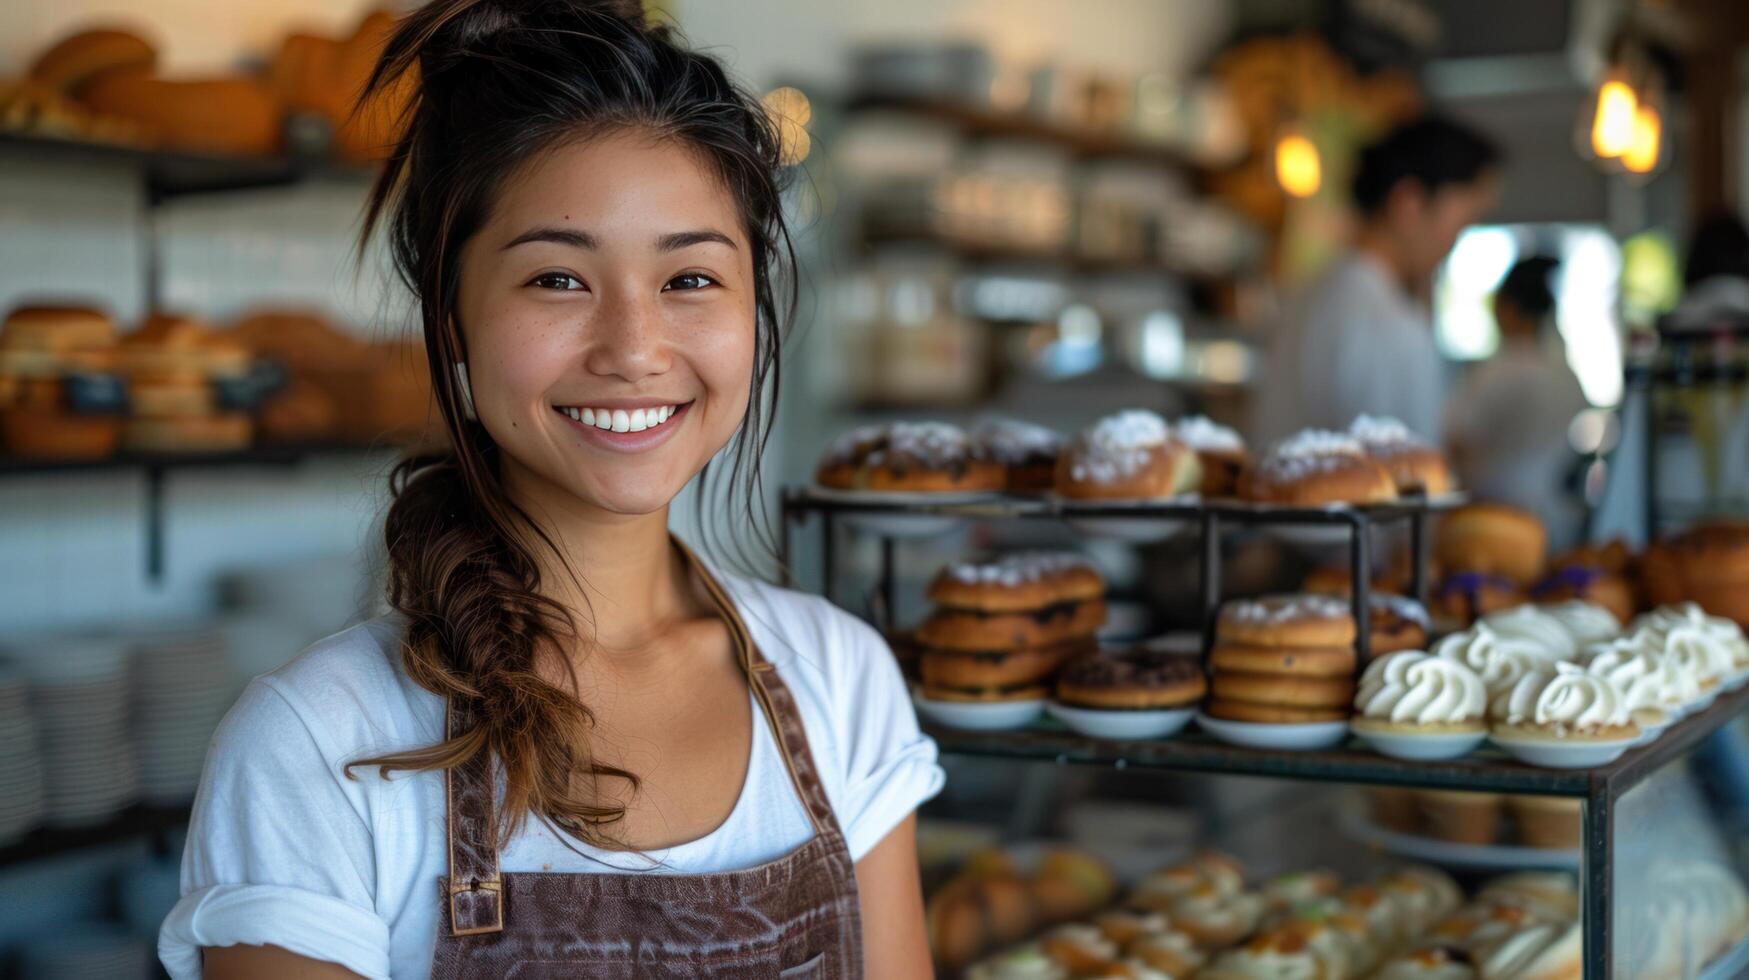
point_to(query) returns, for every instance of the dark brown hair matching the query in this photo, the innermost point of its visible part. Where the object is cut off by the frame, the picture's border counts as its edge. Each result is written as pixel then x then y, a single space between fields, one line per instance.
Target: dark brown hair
pixel 499 82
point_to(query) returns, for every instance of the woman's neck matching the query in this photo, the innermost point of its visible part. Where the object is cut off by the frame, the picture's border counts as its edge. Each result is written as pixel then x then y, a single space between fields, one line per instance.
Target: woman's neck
pixel 631 586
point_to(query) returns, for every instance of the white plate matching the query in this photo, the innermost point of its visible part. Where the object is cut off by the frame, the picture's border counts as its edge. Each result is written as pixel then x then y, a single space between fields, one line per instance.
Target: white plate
pixel 1703 702
pixel 1284 737
pixel 903 525
pixel 1355 823
pixel 981 716
pixel 1650 733
pixel 1121 724
pixel 1737 681
pixel 1422 746
pixel 1140 529
pixel 1551 754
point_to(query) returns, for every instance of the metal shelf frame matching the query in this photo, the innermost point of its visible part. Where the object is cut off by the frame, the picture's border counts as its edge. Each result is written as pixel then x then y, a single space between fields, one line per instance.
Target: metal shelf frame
pixel 1598 789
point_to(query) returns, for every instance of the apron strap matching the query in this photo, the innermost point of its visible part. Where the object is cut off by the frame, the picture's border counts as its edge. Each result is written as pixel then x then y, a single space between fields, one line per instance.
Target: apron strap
pixel 776 701
pixel 473 888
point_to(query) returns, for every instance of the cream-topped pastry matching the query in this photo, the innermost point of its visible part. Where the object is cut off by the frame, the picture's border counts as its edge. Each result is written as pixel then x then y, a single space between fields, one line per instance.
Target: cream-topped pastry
pixel 1429 963
pixel 1215 919
pixel 1384 918
pixel 1418 692
pixel 1279 954
pixel 1654 686
pixel 1704 650
pixel 1123 926
pixel 1545 950
pixel 1169 951
pixel 1586 622
pixel 1296 888
pixel 1499 660
pixel 1080 947
pixel 1027 962
pixel 1545 635
pixel 1563 702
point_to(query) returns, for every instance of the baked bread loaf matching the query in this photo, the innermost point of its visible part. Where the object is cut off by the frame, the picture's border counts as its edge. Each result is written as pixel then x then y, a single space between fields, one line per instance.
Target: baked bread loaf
pixel 217 115
pixel 1133 680
pixel 1131 455
pixel 323 76
pixel 1219 450
pixel 42 348
pixel 1707 564
pixel 1492 539
pixel 1017 582
pixel 1027 452
pixel 909 457
pixel 76 59
pixel 1416 466
pixel 1316 468
pixel 968 629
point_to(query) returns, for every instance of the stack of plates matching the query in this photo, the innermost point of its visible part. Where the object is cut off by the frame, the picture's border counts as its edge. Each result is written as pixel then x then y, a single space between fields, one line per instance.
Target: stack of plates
pixel 80 692
pixel 92 951
pixel 183 683
pixel 21 769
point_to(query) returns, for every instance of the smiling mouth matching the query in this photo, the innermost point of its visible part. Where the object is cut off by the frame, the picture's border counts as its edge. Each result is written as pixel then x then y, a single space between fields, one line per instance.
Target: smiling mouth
pixel 621 419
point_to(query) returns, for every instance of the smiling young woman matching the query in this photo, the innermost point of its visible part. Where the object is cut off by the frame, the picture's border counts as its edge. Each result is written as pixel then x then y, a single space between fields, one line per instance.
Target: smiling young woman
pixel 574 748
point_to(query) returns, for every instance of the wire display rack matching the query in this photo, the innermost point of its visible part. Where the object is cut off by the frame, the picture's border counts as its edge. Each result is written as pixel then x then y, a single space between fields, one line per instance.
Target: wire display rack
pixel 1599 789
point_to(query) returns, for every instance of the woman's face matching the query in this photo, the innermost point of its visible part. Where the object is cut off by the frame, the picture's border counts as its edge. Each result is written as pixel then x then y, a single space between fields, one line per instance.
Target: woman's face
pixel 612 281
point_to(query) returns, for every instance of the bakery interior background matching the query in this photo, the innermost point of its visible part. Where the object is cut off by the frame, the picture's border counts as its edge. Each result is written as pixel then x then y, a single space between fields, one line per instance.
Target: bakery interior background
pixel 1101 205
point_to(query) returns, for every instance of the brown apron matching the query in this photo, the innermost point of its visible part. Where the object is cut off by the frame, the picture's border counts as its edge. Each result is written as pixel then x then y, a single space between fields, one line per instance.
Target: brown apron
pixel 793 917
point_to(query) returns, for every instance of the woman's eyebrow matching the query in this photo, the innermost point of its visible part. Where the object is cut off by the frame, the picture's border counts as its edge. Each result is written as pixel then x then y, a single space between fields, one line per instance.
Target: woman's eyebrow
pixel 681 239
pixel 558 236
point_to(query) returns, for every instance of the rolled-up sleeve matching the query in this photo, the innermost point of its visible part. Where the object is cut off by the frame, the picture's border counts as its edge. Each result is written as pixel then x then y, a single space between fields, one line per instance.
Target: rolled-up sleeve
pixel 280 850
pixel 892 765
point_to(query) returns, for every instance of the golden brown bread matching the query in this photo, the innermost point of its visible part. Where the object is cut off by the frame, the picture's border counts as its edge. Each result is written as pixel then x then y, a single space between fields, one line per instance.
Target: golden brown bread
pixel 217 115
pixel 74 60
pixel 1492 539
pixel 1287 621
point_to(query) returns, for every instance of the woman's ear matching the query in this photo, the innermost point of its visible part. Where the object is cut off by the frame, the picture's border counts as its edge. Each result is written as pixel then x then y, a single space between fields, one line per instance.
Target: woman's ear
pixel 466 389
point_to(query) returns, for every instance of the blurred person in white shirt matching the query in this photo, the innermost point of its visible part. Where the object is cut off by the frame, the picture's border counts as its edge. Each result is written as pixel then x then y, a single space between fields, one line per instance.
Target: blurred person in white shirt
pixel 1360 340
pixel 1507 422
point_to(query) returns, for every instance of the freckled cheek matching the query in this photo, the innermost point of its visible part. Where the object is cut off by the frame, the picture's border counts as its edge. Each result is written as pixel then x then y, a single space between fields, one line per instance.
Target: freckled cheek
pixel 521 361
pixel 722 354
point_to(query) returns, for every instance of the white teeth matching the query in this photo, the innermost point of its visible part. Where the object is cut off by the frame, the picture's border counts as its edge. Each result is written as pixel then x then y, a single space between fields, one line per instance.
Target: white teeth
pixel 604 419
pixel 586 416
pixel 666 411
pixel 622 420
pixel 636 423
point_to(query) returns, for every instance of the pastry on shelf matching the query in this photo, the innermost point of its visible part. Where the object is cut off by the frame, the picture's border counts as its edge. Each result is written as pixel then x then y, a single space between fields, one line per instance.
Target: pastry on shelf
pixel 1417 705
pixel 1026 451
pixel 1459 817
pixel 1140 680
pixel 1593 585
pixel 1316 468
pixel 1587 623
pixel 1131 455
pixel 910 457
pixel 1536 628
pixel 1562 704
pixel 1550 822
pixel 1657 688
pixel 59 396
pixel 172 365
pixel 1464 597
pixel 1707 564
pixel 1283 659
pixel 1219 449
pixel 1492 539
pixel 1416 465
pixel 228 115
pixel 1497 659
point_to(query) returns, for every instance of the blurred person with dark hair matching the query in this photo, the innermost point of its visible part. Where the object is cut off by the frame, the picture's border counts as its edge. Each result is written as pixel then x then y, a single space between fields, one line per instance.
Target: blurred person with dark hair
pixel 1715 273
pixel 1361 341
pixel 1507 422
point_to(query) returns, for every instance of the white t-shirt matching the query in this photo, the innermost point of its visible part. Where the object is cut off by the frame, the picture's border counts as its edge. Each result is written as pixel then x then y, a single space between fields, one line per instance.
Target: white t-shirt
pixel 285 849
pixel 1355 344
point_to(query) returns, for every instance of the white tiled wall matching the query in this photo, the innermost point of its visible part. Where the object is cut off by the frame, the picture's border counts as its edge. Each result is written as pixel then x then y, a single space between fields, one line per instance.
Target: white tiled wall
pixel 72 547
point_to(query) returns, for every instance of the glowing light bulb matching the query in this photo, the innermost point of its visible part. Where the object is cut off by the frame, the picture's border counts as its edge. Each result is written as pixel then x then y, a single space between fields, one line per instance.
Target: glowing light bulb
pixel 1642 152
pixel 1297 165
pixel 1612 128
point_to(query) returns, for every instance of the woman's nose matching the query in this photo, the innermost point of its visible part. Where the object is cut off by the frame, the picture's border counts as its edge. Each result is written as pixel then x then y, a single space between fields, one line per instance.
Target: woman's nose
pixel 627 339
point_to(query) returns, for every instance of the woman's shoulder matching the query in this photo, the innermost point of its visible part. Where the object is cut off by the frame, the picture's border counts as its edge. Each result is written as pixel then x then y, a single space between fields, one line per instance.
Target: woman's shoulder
pixel 348 690
pixel 796 629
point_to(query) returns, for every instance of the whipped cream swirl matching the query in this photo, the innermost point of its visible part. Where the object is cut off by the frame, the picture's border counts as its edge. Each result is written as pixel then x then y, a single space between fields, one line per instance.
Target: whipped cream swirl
pixel 1421 689
pixel 1585 622
pixel 1499 660
pixel 1564 698
pixel 1645 677
pixel 1543 633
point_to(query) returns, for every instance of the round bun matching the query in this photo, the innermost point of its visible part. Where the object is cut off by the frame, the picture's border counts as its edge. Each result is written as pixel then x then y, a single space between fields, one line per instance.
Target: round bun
pixel 55 434
pixel 219 115
pixel 56 328
pixel 918 457
pixel 1130 455
pixel 1017 582
pixel 964 629
pixel 1283 690
pixel 1492 539
pixel 1031 692
pixel 1295 661
pixel 1707 564
pixel 992 668
pixel 1416 466
pixel 1219 450
pixel 1271 714
pixel 1135 680
pixel 1316 468
pixel 75 60
pixel 1027 452
pixel 1297 620
pixel 1596 585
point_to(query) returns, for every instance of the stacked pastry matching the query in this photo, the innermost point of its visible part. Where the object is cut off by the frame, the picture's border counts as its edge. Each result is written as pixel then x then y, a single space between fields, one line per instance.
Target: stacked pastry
pixel 1520 927
pixel 908 456
pixel 1707 565
pixel 1283 660
pixel 1132 455
pixel 47 356
pixel 991 902
pixel 1316 468
pixel 1001 628
pixel 1027 452
pixel 173 366
pixel 1416 465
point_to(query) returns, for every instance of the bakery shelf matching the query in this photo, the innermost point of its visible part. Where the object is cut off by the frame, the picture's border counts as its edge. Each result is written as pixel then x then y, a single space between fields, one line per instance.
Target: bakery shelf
pixel 172 173
pixel 1484 771
pixel 142 820
pixel 975 121
pixel 987 254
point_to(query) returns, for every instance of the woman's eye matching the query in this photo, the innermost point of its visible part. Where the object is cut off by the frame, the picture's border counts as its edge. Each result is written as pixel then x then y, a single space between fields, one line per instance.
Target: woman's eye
pixel 689 281
pixel 557 280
